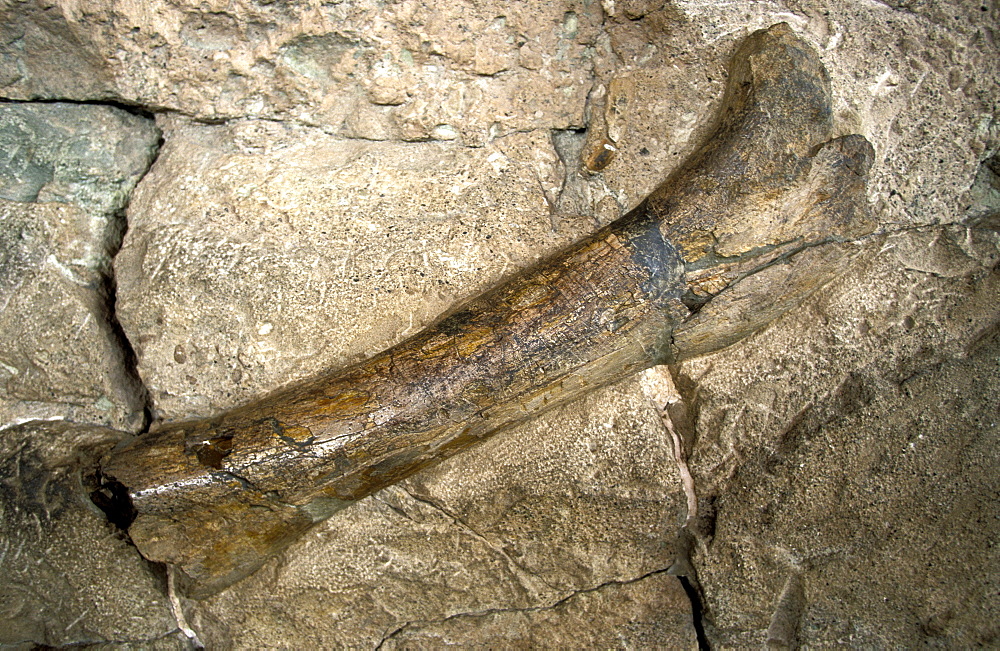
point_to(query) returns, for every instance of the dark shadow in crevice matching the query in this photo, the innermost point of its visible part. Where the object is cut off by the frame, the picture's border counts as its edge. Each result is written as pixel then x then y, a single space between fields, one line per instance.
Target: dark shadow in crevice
pixel 697 612
pixel 125 371
pixel 129 381
pixel 113 499
pixel 135 109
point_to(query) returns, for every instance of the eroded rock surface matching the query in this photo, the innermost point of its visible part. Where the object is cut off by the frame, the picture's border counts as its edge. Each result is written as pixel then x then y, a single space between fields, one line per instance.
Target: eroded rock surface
pixel 406 70
pixel 65 176
pixel 335 175
pixel 892 543
pixel 863 482
pixel 526 530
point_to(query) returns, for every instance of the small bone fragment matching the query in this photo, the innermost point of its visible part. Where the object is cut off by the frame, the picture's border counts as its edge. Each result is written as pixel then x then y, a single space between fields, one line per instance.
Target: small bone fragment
pixel 750 227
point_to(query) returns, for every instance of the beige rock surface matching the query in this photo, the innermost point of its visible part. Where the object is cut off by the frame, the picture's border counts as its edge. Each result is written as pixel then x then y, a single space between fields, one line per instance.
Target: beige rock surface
pixel 880 502
pixel 564 514
pixel 866 480
pixel 66 172
pixel 402 70
pixel 335 175
pixel 57 358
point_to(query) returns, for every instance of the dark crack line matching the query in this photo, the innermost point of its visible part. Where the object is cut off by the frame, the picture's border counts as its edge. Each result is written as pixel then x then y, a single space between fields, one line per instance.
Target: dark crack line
pixel 697 612
pixel 515 566
pixel 331 130
pixel 683 567
pixel 531 609
pixel 140 398
pixel 137 395
pixel 135 109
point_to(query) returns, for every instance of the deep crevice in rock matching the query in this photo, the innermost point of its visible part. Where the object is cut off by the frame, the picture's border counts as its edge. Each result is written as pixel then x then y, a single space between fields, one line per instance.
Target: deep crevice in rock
pixel 135 109
pixel 683 568
pixel 697 612
pixel 130 384
pixel 139 398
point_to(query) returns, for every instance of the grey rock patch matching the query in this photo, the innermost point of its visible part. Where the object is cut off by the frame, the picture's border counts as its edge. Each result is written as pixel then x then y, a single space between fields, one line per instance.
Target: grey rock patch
pixel 984 211
pixel 66 173
pixel 88 155
pixel 66 576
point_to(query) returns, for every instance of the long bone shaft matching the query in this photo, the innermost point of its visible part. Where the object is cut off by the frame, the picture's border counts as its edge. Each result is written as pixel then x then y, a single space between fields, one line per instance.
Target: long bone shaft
pixel 746 230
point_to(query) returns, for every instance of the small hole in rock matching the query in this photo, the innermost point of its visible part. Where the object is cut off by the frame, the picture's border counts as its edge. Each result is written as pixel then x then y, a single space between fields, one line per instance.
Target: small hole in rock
pixel 112 497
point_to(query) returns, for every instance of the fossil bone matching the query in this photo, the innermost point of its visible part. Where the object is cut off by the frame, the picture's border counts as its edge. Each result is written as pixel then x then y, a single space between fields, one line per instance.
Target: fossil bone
pixel 756 221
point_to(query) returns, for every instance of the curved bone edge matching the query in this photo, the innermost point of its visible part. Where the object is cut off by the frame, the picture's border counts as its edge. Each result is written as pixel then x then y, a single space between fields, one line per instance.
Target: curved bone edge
pixel 730 199
pixel 218 497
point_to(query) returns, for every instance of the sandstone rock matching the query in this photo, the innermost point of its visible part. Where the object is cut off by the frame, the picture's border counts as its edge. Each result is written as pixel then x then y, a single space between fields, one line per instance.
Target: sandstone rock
pixel 452 64
pixel 646 612
pixel 66 174
pixel 914 81
pixel 59 358
pixel 880 501
pixel 807 437
pixel 67 577
pixel 835 476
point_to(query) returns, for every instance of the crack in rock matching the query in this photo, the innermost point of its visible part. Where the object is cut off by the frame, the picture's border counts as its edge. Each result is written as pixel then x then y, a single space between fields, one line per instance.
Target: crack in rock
pixel 69 170
pixel 523 575
pixel 531 609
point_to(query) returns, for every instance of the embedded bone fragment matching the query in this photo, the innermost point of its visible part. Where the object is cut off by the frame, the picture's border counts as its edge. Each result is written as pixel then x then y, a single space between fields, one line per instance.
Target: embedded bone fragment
pixel 757 220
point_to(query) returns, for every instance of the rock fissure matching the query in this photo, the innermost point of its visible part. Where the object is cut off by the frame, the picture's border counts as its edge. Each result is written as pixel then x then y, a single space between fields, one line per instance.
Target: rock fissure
pixel 177 610
pixel 525 576
pixel 530 609
pixel 138 395
pixel 137 109
pixel 659 386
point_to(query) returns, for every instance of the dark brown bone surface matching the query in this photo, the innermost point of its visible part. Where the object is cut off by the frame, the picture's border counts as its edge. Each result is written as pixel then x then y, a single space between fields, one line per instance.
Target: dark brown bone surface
pixel 745 231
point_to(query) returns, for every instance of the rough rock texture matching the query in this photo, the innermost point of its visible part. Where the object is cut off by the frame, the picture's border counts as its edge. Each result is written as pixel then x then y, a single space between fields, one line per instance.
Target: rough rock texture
pixel 814 444
pixel 66 172
pixel 579 505
pixel 877 504
pixel 67 576
pixel 274 251
pixel 404 70
pixel 868 480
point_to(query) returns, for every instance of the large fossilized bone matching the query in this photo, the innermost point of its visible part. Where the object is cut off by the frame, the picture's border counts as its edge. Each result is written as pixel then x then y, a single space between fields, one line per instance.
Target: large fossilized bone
pixel 746 230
